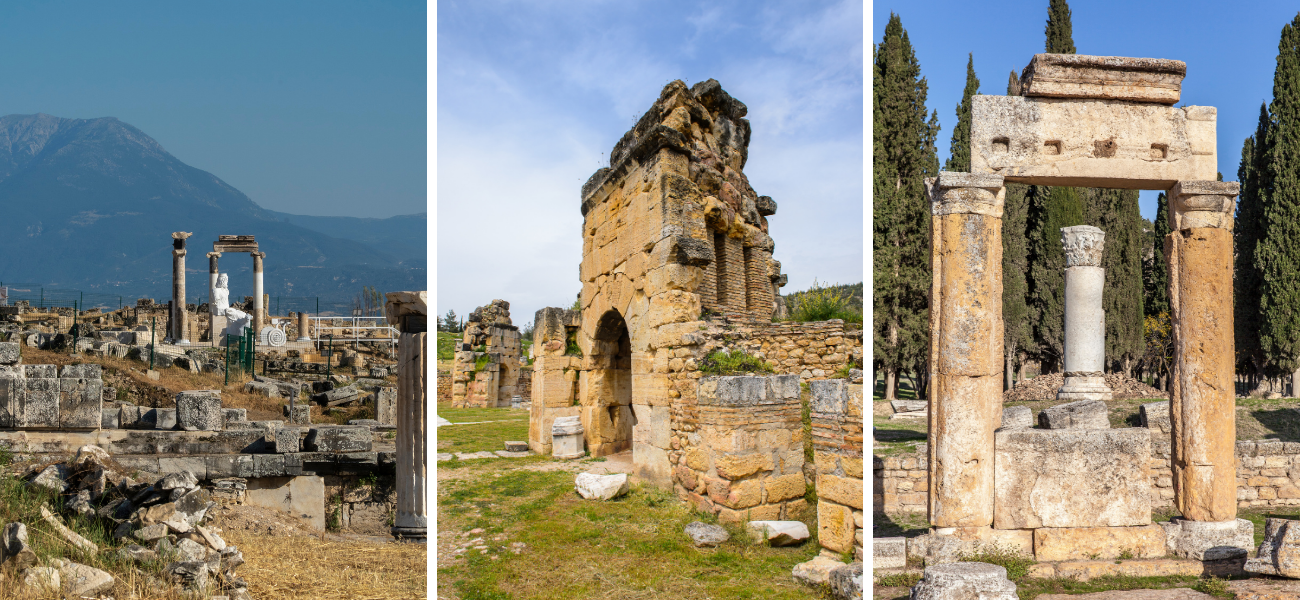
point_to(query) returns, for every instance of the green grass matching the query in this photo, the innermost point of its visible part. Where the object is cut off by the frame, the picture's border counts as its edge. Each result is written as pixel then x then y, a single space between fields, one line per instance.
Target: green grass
pixel 733 362
pixel 1028 589
pixel 631 547
pixel 507 425
pixel 447 345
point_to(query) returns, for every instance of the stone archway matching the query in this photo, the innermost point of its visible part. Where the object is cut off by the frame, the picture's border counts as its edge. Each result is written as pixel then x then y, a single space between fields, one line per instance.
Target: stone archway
pixel 609 395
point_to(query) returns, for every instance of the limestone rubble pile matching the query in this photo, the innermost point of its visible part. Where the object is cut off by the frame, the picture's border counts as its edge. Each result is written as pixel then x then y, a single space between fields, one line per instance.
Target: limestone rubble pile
pixel 164 520
pixel 1044 387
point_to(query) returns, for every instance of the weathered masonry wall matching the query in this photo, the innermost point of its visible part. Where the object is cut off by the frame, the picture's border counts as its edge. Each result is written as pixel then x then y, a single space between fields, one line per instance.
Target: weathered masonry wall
pixel 1268 474
pixel 836 412
pixel 816 350
pixel 485 370
pixel 741 455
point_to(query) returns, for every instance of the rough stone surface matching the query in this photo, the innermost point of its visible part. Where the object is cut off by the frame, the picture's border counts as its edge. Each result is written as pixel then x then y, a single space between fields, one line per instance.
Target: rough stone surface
pixel 18 554
pixel 1155 80
pixel 888 553
pixel 1017 417
pixel 341 438
pixel 9 353
pixel 1083 414
pixel 1202 404
pixel 1072 478
pixel 1155 415
pixel 601 487
pixel 1279 553
pixel 516 446
pixel 846 582
pixel 779 533
pixel 1092 143
pixel 1078 543
pixel 965 581
pixel 288 439
pixel 1209 540
pixel 199 410
pixel 704 535
pixel 42 579
pixel 78 580
pixel 816 571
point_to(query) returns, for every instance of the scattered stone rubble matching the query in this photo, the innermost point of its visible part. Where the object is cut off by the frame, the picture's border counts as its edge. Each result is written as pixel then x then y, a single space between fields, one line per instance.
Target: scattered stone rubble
pixel 1044 387
pixel 161 520
pixel 1279 553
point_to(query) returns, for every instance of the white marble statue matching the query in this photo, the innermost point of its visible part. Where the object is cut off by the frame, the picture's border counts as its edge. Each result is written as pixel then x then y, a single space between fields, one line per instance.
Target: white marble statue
pixel 236 320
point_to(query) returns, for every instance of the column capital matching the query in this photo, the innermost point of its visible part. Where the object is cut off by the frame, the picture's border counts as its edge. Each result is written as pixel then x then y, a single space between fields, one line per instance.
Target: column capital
pixel 966 193
pixel 1202 204
pixel 181 235
pixel 178 252
pixel 257 255
pixel 1083 245
pixel 214 255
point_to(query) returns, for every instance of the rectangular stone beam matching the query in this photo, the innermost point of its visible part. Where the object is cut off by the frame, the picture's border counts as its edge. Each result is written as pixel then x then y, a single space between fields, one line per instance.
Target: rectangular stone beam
pixel 1154 80
pixel 1092 143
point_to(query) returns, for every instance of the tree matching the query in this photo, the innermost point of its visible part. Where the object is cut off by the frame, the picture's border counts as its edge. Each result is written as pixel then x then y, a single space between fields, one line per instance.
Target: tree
pixel 1017 314
pixel 959 159
pixel 449 322
pixel 1060 35
pixel 1246 233
pixel 1116 212
pixel 1050 209
pixel 903 143
pixel 370 302
pixel 1277 254
pixel 1155 276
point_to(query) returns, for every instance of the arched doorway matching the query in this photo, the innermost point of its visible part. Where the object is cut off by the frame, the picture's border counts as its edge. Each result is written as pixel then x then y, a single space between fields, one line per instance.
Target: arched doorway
pixel 610 418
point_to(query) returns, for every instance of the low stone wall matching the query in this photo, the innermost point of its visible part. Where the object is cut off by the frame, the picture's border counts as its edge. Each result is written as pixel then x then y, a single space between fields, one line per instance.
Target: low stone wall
pixel 815 350
pixel 743 457
pixel 1268 474
pixel 444 386
pixel 836 414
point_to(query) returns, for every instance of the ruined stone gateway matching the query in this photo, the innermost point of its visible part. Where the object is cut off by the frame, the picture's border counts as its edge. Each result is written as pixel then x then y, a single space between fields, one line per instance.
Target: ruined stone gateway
pixel 486 365
pixel 677 263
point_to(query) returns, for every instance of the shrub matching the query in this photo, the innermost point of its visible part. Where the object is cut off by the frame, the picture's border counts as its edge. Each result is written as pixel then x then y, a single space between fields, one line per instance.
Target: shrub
pixel 822 303
pixel 733 362
pixel 1011 559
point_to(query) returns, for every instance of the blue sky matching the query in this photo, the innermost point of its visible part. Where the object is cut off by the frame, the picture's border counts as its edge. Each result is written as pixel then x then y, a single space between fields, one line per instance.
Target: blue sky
pixel 1230 50
pixel 533 95
pixel 308 107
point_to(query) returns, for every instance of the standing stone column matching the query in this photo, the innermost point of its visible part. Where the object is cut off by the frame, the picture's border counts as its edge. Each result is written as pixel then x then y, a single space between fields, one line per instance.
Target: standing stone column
pixel 407 311
pixel 259 311
pixel 1085 320
pixel 213 334
pixel 1202 407
pixel 177 317
pixel 304 322
pixel 965 346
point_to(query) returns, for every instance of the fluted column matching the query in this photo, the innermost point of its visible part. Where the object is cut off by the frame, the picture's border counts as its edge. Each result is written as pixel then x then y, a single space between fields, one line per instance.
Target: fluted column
pixel 1202 407
pixel 1085 318
pixel 407 312
pixel 965 346
pixel 178 314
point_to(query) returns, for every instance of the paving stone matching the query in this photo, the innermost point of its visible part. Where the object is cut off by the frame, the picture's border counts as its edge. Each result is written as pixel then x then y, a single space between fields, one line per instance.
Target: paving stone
pixel 504 454
pixel 445 456
pixel 888 553
pixel 473 455
pixel 965 581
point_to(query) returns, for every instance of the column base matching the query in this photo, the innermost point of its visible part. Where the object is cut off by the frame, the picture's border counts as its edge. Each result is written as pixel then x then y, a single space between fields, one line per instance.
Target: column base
pixel 1084 388
pixel 1209 540
pixel 417 535
pixel 303 339
pixel 183 343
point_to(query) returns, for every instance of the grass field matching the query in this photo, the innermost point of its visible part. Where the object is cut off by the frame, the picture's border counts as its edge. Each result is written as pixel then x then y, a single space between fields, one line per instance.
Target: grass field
pixel 504 424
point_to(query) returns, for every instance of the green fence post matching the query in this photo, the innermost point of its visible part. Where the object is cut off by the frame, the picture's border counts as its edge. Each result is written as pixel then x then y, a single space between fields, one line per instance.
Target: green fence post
pixel 329 358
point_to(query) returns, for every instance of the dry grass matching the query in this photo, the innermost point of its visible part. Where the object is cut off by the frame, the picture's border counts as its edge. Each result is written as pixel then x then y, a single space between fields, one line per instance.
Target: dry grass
pixel 306 567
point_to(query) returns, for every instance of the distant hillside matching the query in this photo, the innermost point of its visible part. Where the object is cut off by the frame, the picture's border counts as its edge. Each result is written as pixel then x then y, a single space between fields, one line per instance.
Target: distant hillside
pixel 404 236
pixel 91 204
pixel 853 293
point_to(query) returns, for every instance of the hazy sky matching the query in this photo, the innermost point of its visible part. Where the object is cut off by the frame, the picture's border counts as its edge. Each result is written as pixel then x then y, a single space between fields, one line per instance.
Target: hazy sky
pixel 532 97
pixel 1230 50
pixel 308 107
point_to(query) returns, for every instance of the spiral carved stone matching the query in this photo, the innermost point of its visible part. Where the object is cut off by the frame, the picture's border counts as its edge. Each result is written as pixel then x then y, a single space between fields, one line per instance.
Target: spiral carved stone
pixel 1083 245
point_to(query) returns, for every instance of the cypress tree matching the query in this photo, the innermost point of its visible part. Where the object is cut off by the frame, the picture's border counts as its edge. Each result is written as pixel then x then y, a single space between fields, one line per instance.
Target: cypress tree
pixel 959 159
pixel 1246 233
pixel 903 144
pixel 1155 279
pixel 1116 212
pixel 1017 314
pixel 1050 209
pixel 1060 35
pixel 1277 254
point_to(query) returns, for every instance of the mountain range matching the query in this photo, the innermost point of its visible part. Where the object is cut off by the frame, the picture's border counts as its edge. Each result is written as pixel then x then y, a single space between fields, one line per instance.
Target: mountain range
pixel 90 204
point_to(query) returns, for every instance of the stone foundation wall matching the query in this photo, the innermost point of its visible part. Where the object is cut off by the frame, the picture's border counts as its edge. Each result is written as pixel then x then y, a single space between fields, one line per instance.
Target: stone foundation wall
pixel 1268 474
pixel 742 457
pixel 444 386
pixel 836 413
pixel 815 350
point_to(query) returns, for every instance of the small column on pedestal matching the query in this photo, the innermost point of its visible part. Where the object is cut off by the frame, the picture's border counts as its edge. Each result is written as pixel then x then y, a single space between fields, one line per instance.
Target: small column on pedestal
pixel 1085 320
pixel 259 310
pixel 178 314
pixel 304 322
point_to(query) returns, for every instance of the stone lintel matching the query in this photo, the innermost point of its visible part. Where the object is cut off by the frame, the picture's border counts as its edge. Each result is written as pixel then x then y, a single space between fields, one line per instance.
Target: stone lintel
pixel 1155 80
pixel 966 193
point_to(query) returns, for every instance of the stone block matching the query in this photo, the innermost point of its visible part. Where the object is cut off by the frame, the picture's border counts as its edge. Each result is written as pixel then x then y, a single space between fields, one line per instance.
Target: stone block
pixel 39 371
pixel 229 465
pixel 288 439
pixel 386 406
pixel 80 402
pixel 1017 417
pixel 229 415
pixel 1092 143
pixel 109 418
pixel 1209 540
pixel 40 403
pixel 196 465
pixel 82 371
pixel 733 390
pixel 340 438
pixel 841 490
pixel 835 527
pixel 965 580
pixel 1155 80
pixel 1072 478
pixel 1279 553
pixel 1155 415
pixel 299 414
pixel 164 418
pixel 1084 414
pixel 199 410
pixel 1078 543
pixel 9 353
pixel 268 465
pixel 888 553
pixel 778 533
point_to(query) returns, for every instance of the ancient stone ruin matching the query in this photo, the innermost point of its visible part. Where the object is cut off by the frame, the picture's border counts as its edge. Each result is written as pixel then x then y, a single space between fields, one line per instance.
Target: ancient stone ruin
pixel 1081 491
pixel 485 372
pixel 678 264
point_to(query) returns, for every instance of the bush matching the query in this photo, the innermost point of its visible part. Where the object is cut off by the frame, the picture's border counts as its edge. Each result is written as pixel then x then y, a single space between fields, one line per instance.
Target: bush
pixel 823 303
pixel 733 362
